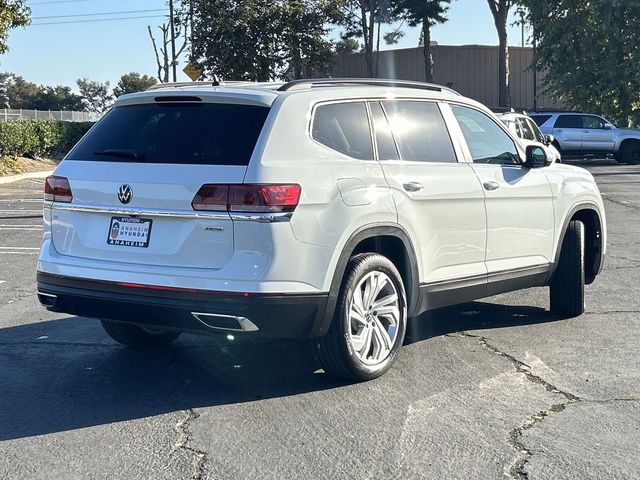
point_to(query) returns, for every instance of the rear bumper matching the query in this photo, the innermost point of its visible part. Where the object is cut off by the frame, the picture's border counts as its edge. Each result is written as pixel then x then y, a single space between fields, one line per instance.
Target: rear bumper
pixel 294 316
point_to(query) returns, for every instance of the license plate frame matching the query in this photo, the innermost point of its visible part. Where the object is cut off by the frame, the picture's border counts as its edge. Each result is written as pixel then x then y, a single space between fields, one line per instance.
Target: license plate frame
pixel 129 232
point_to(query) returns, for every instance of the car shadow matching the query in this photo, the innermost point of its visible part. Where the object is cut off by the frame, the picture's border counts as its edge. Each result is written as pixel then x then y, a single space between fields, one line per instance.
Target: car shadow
pixel 66 374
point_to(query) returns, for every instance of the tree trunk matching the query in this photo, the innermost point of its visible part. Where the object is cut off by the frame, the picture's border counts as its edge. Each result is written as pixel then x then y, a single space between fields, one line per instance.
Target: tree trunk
pixel 426 49
pixel 367 34
pixel 504 90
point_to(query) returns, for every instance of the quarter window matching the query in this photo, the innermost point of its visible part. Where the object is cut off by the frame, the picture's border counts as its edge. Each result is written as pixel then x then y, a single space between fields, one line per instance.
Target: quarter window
pixel 487 142
pixel 568 121
pixel 420 131
pixel 540 119
pixel 344 127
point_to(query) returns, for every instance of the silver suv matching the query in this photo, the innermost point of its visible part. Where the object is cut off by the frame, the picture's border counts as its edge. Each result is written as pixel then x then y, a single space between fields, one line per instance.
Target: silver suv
pixel 578 133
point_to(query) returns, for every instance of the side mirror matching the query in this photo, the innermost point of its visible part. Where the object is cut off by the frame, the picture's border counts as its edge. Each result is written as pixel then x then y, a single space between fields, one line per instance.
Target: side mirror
pixel 536 157
pixel 549 139
pixel 608 126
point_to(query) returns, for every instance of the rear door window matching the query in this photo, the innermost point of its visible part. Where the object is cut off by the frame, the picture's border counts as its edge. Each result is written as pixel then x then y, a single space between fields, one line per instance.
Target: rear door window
pixel 420 131
pixel 344 127
pixel 180 133
pixel 568 121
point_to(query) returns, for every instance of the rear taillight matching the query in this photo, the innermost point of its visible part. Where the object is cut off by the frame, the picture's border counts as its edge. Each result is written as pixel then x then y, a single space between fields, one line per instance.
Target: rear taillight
pixel 247 198
pixel 57 189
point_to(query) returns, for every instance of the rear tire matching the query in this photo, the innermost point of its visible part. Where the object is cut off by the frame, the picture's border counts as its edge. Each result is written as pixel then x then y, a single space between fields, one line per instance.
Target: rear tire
pixel 567 285
pixel 630 153
pixel 137 337
pixel 369 323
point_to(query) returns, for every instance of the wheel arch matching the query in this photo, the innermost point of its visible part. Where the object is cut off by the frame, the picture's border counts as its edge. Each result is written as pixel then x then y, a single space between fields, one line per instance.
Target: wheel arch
pixel 390 240
pixel 589 214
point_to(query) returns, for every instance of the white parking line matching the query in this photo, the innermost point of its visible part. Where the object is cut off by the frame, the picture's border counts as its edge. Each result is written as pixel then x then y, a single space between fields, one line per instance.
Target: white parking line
pixel 18 253
pixel 19 248
pixel 2 281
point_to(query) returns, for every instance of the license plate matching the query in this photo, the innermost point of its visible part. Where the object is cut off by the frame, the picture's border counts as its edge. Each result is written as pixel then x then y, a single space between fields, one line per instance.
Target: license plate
pixel 129 232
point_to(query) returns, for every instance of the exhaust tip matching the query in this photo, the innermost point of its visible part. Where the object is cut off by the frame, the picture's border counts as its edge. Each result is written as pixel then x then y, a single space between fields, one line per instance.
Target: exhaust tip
pixel 233 323
pixel 47 299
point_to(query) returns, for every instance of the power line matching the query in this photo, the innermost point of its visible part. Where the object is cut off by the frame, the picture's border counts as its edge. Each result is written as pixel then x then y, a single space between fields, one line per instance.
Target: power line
pixel 97 20
pixel 56 2
pixel 99 14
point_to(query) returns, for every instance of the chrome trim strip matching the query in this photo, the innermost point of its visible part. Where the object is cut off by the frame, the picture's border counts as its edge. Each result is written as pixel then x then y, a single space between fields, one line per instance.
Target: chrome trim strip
pixel 490 277
pixel 261 217
pixel 150 212
pixel 245 325
pixel 48 295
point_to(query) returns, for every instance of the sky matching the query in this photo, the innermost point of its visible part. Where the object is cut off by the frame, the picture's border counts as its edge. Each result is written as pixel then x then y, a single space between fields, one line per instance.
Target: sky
pixel 60 53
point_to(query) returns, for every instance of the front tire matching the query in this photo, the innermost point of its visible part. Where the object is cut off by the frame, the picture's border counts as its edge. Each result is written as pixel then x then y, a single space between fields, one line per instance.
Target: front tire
pixel 137 337
pixel 369 323
pixel 567 285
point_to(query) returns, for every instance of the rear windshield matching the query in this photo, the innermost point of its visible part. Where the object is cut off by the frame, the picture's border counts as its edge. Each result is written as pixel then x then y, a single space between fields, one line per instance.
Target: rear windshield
pixel 182 133
pixel 540 119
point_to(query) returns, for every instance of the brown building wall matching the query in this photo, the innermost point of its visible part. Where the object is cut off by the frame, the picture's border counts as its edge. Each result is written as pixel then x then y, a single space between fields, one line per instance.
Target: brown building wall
pixel 472 70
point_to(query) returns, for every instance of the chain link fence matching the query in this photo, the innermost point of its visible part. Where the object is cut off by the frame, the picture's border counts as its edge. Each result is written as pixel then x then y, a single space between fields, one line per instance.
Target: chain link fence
pixel 10 115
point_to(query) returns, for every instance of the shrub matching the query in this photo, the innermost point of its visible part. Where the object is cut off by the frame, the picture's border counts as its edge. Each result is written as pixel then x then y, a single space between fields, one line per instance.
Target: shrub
pixel 40 138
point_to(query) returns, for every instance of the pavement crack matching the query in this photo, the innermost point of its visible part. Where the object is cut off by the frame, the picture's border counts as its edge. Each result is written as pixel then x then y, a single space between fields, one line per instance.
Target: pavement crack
pixel 199 456
pixel 517 470
pixel 622 204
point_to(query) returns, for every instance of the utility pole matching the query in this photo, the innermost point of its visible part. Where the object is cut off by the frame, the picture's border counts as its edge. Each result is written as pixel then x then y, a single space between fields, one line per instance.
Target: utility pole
pixel 173 41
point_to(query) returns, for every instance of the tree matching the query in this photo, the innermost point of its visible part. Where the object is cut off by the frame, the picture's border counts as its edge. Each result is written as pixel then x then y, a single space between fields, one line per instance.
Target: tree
pixel 424 13
pixel 132 83
pixel 347 45
pixel 59 97
pixel 13 13
pixel 20 92
pixel 500 11
pixel 163 52
pixel 261 40
pixel 95 95
pixel 363 19
pixel 589 51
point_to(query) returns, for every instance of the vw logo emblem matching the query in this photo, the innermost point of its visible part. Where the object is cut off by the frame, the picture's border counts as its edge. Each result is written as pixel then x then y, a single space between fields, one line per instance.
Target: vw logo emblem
pixel 125 194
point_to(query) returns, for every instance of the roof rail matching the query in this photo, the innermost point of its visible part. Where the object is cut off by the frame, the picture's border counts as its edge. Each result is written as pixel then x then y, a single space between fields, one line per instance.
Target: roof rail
pixel 210 83
pixel 554 110
pixel 372 82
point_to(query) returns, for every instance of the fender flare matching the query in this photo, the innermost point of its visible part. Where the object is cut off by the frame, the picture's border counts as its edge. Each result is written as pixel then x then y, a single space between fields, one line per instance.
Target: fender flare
pixel 575 209
pixel 323 320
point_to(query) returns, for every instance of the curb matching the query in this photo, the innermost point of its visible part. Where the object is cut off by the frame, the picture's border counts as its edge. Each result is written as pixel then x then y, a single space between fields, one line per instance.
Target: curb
pixel 24 176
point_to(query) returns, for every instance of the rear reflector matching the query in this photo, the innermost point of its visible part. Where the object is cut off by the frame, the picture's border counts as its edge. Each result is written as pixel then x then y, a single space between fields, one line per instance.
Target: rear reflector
pixel 57 189
pixel 247 198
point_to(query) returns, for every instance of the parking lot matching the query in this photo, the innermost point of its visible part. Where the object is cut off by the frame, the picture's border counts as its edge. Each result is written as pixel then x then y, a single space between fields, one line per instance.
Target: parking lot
pixel 492 389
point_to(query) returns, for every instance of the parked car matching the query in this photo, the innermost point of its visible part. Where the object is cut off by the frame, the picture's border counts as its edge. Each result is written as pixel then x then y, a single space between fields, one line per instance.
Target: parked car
pixel 578 133
pixel 528 132
pixel 327 210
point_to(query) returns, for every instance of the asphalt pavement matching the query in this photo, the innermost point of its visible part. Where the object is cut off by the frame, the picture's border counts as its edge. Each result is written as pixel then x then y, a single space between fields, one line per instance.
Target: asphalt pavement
pixel 489 390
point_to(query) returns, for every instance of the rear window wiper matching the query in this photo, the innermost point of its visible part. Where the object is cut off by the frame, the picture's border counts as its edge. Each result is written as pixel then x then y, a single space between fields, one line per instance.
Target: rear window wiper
pixel 121 153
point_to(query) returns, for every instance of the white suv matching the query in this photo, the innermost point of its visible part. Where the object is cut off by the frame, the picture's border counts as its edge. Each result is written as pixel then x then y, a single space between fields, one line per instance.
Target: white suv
pixel 329 210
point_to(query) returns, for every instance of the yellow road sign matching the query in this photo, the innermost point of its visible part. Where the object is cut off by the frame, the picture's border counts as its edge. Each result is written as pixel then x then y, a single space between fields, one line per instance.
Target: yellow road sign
pixel 193 70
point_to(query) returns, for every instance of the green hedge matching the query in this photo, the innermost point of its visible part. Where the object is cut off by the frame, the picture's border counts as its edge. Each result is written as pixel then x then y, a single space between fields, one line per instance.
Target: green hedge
pixel 40 138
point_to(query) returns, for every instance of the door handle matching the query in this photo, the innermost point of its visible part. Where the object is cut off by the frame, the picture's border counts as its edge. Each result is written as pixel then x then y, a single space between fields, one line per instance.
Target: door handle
pixel 413 186
pixel 491 186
